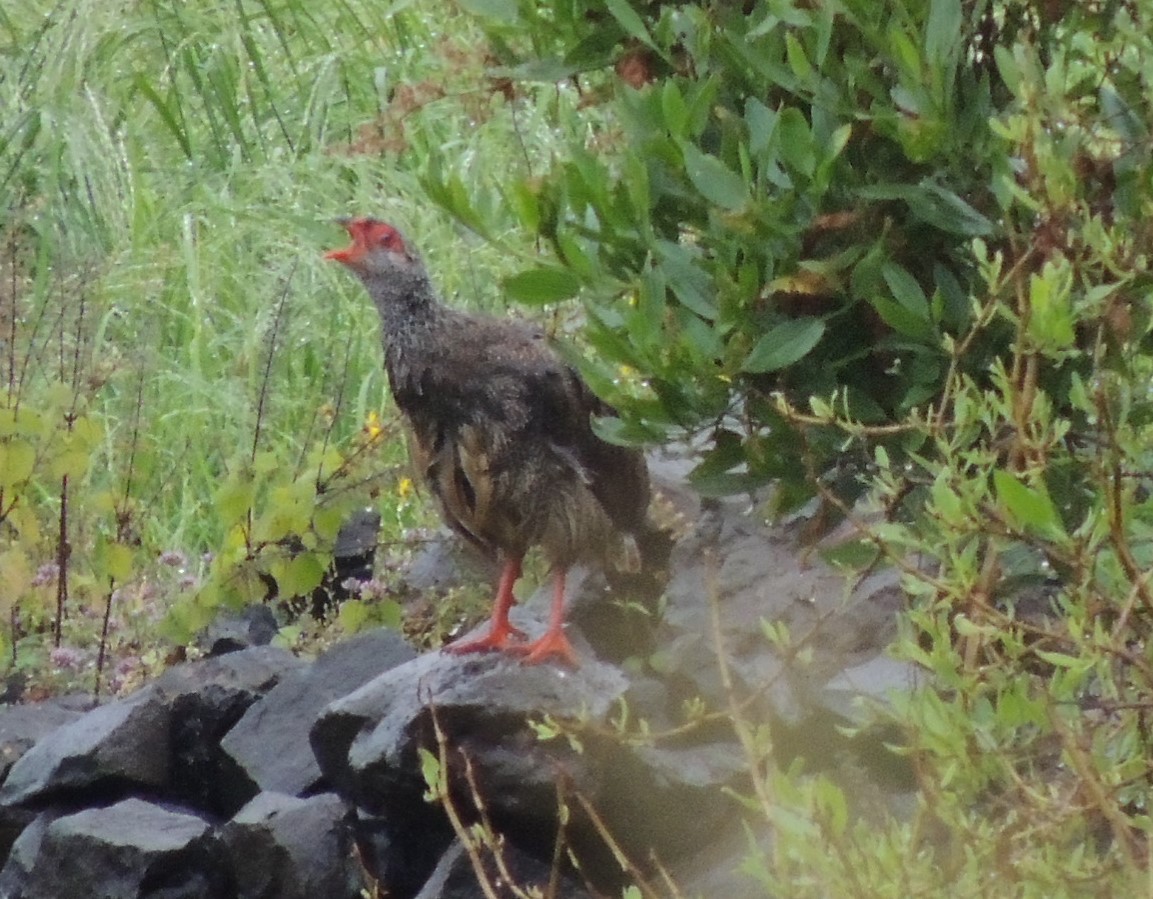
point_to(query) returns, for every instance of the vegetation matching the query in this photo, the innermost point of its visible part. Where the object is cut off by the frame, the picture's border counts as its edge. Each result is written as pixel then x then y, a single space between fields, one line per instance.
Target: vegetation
pixel 900 263
pixel 191 396
pixel 897 264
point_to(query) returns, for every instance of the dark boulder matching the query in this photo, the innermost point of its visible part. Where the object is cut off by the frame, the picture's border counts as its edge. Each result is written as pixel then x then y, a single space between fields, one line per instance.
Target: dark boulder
pixel 110 750
pixel 368 743
pixel 268 747
pixel 283 847
pixel 163 739
pixel 130 850
pixel 517 874
pixel 254 625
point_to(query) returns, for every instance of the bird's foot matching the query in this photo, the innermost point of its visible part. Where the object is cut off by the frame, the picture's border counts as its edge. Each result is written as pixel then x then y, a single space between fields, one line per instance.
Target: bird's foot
pixel 552 645
pixel 499 637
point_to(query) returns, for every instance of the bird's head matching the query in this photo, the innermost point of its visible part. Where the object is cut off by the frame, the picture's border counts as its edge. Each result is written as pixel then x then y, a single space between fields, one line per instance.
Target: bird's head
pixel 377 249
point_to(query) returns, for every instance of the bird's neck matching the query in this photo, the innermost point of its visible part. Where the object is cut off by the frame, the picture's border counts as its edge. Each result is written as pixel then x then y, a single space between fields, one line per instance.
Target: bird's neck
pixel 409 308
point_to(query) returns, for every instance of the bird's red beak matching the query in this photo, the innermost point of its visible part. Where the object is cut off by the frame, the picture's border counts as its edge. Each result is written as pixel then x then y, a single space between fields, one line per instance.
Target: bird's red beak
pixel 351 254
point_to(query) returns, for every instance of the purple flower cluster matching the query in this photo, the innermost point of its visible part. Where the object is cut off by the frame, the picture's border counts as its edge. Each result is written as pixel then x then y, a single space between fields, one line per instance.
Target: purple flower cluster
pixel 46 574
pixel 66 658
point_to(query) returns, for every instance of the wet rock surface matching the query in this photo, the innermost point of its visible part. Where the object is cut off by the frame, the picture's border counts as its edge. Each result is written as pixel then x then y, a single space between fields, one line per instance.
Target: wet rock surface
pixel 257 774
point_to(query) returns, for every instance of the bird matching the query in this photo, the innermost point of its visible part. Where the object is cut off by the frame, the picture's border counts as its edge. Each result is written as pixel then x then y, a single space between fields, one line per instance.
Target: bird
pixel 501 432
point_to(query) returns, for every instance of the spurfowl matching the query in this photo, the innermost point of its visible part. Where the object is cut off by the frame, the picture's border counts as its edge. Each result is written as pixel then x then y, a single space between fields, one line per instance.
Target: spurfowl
pixel 501 432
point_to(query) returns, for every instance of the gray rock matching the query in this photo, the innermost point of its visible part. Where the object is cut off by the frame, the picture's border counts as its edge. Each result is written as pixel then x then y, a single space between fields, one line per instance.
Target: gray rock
pixel 283 847
pixel 254 625
pixel 22 855
pixel 754 574
pixel 22 725
pixel 173 724
pixel 455 877
pixel 268 747
pixel 725 865
pixel 131 849
pixel 648 789
pixel 400 851
pixel 368 743
pixel 857 692
pixel 207 699
pixel 444 561
pixel 113 747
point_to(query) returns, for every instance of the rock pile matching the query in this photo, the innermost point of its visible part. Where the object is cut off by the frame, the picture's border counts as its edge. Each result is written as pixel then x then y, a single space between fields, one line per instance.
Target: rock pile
pixel 256 774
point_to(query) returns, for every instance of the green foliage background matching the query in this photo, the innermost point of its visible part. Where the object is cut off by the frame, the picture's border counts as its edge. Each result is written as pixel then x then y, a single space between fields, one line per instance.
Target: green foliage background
pixel 892 258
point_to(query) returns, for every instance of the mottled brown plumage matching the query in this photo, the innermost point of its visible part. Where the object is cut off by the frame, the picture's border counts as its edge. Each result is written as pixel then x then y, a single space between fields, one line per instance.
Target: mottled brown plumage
pixel 501 433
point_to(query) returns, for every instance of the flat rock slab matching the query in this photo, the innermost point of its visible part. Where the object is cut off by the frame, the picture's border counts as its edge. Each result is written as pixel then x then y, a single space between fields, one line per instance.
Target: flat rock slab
pixel 269 745
pixel 130 849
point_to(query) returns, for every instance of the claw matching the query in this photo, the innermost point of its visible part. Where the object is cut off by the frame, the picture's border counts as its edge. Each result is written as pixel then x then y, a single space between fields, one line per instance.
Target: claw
pixel 502 634
pixel 503 638
pixel 552 645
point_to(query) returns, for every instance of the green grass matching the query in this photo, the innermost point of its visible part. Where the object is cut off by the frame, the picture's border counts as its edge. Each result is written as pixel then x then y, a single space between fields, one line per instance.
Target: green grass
pixel 187 160
pixel 171 171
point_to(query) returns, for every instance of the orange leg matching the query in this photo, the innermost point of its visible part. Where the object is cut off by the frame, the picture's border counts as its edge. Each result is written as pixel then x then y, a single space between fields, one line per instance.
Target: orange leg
pixel 553 644
pixel 502 634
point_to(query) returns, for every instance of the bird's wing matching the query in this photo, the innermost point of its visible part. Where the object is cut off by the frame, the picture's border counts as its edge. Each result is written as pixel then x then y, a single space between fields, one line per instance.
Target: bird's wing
pixel 555 404
pixel 455 464
pixel 494 390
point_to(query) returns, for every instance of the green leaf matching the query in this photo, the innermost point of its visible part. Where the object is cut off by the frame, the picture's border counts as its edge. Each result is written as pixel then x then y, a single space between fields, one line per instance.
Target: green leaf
pixel 783 345
pixel 675 111
pixel 762 122
pixel 798 61
pixel 1063 660
pixel 855 555
pixel 17 461
pixel 1007 67
pixel 796 141
pixel 1051 318
pixel 901 320
pixel 235 497
pixel 944 30
pixel 690 284
pixel 934 205
pixel 431 772
pixel 15 577
pixel 538 286
pixel 173 120
pixel 714 180
pixel 119 562
pixel 627 17
pixel 906 290
pixel 299 575
pixel 624 433
pixel 353 616
pixel 1028 507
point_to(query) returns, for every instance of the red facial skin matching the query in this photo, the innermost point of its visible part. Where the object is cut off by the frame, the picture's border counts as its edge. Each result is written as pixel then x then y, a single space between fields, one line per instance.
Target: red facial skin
pixel 367 234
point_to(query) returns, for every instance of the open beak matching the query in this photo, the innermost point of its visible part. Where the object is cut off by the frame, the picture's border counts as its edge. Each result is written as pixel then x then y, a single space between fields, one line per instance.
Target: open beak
pixel 350 254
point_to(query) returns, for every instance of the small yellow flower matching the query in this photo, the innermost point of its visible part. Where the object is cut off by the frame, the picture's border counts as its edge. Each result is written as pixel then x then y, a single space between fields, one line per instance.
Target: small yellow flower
pixel 372 425
pixel 404 488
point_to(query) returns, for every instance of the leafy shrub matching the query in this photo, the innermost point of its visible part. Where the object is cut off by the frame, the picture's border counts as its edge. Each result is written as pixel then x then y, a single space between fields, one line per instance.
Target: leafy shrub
pixel 903 251
pixel 781 199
